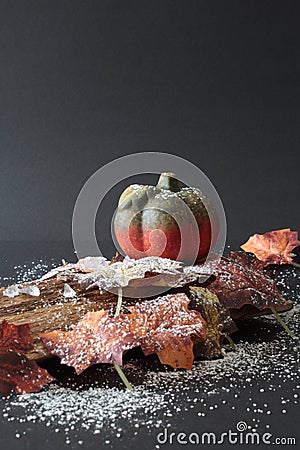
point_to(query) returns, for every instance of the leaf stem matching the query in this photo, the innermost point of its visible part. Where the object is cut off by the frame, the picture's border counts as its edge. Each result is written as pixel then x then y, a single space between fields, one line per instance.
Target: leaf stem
pixel 232 344
pixel 282 323
pixel 116 365
pixel 296 265
pixel 123 376
pixel 119 304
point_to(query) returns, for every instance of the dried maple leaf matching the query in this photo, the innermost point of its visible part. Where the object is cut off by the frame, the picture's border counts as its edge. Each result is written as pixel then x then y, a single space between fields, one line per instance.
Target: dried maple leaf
pixel 170 326
pixel 163 326
pixel 240 281
pixel 97 338
pixel 273 247
pixel 17 372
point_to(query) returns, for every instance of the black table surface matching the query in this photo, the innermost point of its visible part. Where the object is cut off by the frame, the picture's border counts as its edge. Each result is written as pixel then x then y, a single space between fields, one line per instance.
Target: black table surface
pixel 224 407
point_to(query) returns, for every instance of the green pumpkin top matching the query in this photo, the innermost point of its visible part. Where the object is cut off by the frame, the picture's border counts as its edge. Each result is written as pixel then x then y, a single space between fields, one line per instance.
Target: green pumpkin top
pixel 138 196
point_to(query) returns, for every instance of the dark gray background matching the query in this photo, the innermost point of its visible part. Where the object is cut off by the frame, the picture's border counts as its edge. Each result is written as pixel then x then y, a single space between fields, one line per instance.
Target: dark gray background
pixel 84 82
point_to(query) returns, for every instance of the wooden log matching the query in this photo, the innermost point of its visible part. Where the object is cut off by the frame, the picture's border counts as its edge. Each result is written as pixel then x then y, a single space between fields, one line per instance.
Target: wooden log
pixel 51 310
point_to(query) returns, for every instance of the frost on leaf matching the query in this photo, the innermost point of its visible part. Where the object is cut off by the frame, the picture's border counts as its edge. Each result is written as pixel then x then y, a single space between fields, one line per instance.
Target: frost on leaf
pixel 163 326
pixel 273 247
pixel 97 338
pixel 150 271
pixel 170 327
pixel 17 372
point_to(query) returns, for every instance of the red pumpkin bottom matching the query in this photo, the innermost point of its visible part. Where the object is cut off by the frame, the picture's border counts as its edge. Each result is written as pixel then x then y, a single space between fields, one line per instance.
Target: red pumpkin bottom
pixel 138 242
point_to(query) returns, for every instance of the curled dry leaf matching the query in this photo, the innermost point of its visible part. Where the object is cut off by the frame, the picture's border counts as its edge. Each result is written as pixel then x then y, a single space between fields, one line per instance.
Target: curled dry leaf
pixel 84 265
pixel 240 280
pixel 217 318
pixel 129 273
pixel 273 247
pixel 17 372
pixel 163 326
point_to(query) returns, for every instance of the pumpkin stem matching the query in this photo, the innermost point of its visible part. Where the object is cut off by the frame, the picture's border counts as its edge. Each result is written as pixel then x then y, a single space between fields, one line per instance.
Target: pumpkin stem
pixel 168 180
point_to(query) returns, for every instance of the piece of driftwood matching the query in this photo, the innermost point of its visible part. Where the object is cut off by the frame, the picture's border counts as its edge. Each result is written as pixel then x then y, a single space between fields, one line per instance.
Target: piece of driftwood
pixel 52 310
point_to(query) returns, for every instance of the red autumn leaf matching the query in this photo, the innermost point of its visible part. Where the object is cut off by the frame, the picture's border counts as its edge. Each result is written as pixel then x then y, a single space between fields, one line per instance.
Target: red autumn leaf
pixel 163 326
pixel 15 337
pixel 240 281
pixel 17 372
pixel 273 247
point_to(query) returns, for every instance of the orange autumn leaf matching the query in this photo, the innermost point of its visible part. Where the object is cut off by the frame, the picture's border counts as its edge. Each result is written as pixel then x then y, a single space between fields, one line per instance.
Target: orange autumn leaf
pixel 170 326
pixel 97 338
pixel 163 326
pixel 273 247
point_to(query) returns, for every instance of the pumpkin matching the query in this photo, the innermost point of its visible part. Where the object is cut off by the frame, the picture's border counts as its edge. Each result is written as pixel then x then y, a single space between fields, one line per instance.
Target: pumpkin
pixel 152 220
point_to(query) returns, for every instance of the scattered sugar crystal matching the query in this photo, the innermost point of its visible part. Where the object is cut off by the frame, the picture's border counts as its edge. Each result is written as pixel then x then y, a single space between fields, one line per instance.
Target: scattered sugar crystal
pixel 14 290
pixel 163 394
pixel 30 290
pixel 11 291
pixel 68 291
